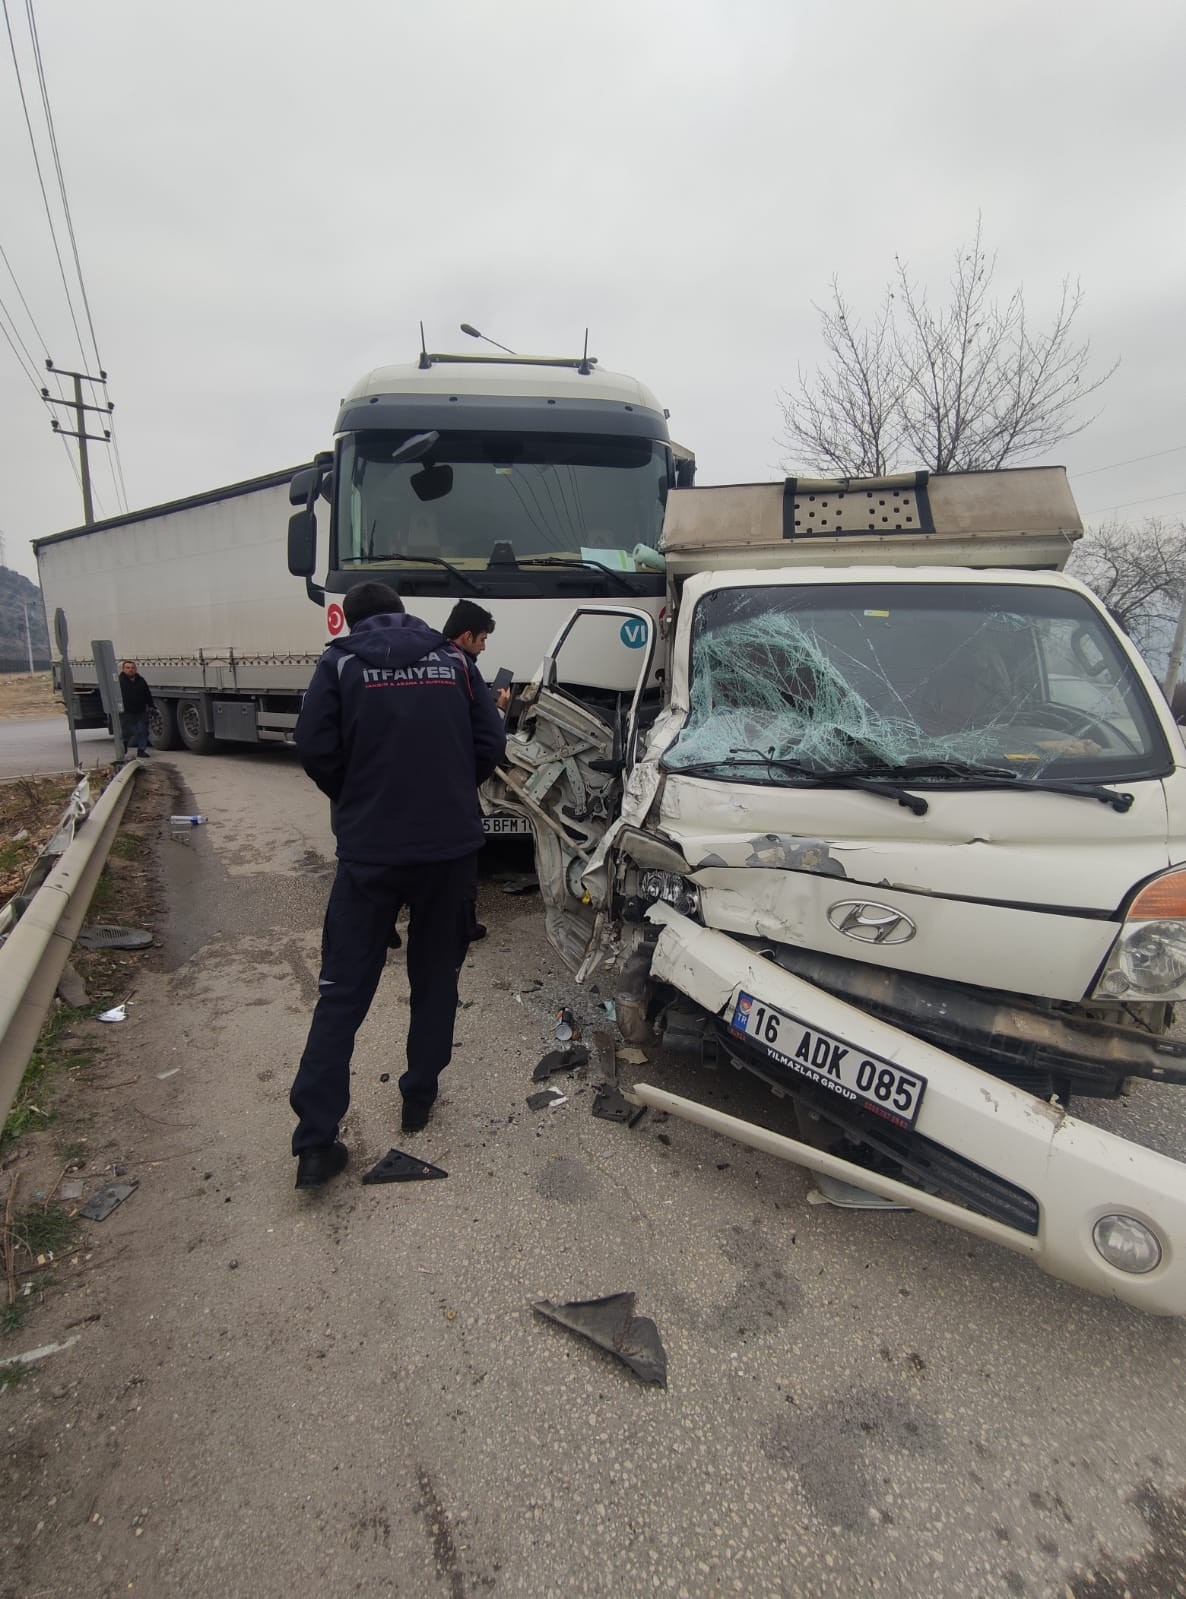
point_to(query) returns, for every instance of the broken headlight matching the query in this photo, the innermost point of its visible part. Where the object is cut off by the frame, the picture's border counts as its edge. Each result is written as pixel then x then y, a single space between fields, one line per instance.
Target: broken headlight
pixel 1148 959
pixel 672 889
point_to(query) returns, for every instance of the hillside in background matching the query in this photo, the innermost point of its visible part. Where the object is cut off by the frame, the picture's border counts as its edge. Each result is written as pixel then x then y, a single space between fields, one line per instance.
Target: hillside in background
pixel 17 592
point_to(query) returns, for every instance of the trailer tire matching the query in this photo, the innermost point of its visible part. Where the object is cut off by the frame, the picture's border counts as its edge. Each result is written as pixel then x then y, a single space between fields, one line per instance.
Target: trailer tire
pixel 190 729
pixel 162 725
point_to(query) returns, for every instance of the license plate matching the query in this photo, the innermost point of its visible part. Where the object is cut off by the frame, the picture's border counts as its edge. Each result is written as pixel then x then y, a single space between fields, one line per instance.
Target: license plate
pixel 854 1074
pixel 517 826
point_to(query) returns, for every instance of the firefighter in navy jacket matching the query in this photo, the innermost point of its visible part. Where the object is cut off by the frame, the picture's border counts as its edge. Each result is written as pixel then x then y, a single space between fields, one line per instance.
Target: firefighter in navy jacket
pixel 398 731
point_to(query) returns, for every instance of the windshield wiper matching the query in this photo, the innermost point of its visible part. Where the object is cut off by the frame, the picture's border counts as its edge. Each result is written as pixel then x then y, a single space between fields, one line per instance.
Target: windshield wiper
pixel 436 560
pixel 812 777
pixel 572 560
pixel 1003 777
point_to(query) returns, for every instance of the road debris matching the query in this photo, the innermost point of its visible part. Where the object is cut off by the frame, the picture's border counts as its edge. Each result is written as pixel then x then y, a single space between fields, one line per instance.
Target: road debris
pixel 104 1202
pixel 560 1060
pixel 612 1106
pixel 567 1026
pixel 101 936
pixel 546 1099
pixel 117 1013
pixel 397 1167
pixel 611 1324
pixel 172 1072
pixel 630 1057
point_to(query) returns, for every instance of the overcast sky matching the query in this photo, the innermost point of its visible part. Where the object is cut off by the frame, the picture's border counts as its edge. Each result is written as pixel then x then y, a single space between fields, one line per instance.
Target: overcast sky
pixel 269 194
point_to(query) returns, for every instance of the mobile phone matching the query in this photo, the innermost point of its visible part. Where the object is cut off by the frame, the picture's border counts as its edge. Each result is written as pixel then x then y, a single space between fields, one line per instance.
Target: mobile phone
pixel 503 678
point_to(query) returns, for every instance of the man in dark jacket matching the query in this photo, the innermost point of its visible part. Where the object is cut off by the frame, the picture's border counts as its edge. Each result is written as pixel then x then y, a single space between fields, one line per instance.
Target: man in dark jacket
pixel 136 697
pixel 398 733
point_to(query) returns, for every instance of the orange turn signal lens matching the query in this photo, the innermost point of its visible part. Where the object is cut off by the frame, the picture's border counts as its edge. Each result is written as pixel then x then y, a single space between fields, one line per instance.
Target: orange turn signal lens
pixel 1162 900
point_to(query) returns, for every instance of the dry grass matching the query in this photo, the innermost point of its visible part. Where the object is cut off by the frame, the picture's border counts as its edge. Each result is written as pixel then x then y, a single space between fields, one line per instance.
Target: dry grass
pixel 25 696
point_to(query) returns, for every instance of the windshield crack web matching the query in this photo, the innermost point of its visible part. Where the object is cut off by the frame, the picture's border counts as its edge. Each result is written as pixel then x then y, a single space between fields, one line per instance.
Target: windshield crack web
pixel 768 686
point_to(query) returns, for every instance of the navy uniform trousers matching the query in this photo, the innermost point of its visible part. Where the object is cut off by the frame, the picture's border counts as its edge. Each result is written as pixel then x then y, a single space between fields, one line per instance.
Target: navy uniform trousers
pixel 363 905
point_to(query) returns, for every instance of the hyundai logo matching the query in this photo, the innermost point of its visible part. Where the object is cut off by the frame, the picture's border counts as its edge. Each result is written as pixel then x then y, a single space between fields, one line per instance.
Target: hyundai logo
pixel 870 923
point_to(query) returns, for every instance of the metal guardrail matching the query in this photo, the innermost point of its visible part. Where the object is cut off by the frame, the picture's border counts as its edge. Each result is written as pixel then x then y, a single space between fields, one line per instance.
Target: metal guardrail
pixel 39 945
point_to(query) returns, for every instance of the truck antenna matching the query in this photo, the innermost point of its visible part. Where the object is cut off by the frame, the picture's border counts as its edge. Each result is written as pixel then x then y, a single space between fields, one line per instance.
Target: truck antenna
pixel 425 359
pixel 585 368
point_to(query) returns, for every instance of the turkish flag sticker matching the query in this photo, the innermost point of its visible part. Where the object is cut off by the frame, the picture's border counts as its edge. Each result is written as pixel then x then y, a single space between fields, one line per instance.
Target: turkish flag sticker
pixel 335 619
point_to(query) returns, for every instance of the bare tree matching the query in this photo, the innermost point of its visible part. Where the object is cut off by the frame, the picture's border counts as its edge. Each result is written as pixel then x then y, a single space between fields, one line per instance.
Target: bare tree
pixel 1140 574
pixel 967 386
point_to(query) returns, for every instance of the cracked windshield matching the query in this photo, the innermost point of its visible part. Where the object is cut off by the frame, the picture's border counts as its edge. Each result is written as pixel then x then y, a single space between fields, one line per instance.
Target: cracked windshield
pixel 583 498
pixel 925 679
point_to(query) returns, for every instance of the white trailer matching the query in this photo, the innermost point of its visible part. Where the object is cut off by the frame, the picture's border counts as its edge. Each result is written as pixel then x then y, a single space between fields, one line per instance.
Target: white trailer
pixel 195 593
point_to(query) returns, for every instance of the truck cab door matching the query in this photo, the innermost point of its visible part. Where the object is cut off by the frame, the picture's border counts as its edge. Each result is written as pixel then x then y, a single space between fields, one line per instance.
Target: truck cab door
pixel 567 760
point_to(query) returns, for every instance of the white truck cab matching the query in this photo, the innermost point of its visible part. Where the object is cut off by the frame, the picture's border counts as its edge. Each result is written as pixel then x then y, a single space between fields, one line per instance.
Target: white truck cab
pixel 905 836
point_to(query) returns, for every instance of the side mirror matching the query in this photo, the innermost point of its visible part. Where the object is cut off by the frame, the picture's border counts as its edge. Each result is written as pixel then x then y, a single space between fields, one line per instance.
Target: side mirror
pixel 305 485
pixel 685 474
pixel 302 543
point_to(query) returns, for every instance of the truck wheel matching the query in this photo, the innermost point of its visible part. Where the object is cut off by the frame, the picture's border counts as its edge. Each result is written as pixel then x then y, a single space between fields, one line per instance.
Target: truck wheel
pixel 162 725
pixel 190 730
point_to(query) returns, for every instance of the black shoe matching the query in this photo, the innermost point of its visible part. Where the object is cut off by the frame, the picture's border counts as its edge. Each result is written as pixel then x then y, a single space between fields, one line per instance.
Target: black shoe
pixel 317 1166
pixel 477 931
pixel 415 1117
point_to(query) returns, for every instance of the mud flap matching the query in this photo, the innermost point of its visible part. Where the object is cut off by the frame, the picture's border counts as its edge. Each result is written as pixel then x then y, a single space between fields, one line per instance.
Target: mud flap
pixel 1075 1172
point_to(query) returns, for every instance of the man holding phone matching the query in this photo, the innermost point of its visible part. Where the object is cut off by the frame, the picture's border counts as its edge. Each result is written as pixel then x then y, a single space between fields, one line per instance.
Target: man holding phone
pixel 468 627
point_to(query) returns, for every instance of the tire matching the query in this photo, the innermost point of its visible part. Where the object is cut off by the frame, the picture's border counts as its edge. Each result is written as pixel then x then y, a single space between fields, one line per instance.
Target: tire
pixel 190 730
pixel 162 725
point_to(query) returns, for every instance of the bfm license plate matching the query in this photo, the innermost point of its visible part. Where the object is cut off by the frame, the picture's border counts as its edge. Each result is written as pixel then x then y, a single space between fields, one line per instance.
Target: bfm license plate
pixel 515 825
pixel 851 1073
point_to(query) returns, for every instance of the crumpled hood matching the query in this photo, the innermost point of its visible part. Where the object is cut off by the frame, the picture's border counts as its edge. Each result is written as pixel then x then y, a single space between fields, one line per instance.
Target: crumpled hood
pixel 391 639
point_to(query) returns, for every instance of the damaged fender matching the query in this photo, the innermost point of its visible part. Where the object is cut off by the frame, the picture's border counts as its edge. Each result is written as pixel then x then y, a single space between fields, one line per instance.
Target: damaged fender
pixel 1077 1173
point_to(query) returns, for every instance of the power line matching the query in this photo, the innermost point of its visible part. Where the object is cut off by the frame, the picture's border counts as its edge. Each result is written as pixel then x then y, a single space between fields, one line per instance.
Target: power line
pixel 53 145
pixel 31 370
pixel 20 358
pixel 40 179
pixel 1124 504
pixel 1132 461
pixel 24 302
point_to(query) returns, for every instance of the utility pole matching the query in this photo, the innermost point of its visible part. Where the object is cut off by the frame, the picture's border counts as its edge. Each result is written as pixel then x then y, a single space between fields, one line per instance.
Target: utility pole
pixel 80 433
pixel 28 639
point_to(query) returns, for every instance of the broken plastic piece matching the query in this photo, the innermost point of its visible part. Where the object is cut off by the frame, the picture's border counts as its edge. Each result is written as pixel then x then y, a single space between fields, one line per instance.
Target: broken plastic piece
pixel 613 1106
pixel 560 1060
pixel 396 1167
pixel 118 1013
pixel 546 1099
pixel 630 1057
pixel 104 937
pixel 611 1324
pixel 104 1202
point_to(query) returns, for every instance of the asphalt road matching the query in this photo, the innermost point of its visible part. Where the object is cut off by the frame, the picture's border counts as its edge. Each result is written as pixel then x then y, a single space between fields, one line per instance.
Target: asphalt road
pixel 42 744
pixel 348 1392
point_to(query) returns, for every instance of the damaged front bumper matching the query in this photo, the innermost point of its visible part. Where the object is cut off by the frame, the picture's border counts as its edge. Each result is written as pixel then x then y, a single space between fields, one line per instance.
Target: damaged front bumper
pixel 1043 1182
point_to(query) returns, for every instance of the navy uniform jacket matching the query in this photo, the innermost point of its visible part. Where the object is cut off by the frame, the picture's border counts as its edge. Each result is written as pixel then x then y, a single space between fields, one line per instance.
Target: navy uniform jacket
pixel 399 731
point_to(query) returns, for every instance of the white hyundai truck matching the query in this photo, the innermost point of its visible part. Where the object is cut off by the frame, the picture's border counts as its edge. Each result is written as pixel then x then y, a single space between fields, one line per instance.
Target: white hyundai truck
pixel 903 835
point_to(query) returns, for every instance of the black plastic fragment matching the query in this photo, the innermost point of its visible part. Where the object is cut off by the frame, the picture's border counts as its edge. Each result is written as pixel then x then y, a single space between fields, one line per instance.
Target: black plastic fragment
pixel 560 1060
pixel 545 1098
pixel 611 1324
pixel 100 1206
pixel 396 1167
pixel 613 1106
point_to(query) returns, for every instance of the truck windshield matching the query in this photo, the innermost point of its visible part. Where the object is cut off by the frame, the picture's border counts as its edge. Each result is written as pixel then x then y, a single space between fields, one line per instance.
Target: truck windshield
pixel 581 497
pixel 936 681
